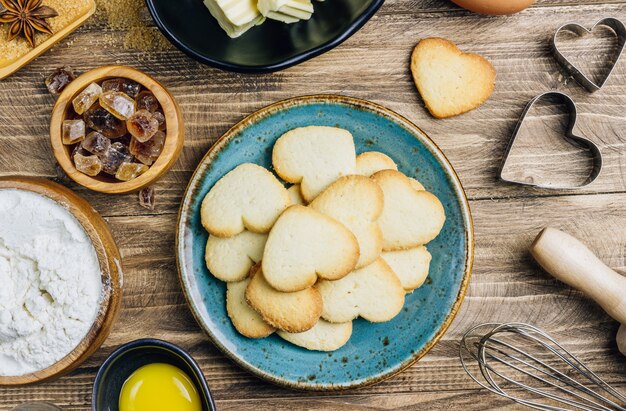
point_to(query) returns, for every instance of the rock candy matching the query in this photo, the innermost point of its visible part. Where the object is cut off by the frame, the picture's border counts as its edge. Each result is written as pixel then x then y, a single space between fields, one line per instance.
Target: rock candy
pixel 147 152
pixel 104 122
pixel 142 125
pixel 90 165
pixel 73 131
pixel 59 79
pixel 146 198
pixel 114 157
pixel 147 101
pixel 121 105
pixel 86 98
pixel 129 171
pixel 123 85
pixel 96 143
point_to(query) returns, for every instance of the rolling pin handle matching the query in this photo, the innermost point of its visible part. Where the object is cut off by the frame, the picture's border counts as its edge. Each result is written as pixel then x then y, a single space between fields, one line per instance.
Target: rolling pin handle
pixel 572 262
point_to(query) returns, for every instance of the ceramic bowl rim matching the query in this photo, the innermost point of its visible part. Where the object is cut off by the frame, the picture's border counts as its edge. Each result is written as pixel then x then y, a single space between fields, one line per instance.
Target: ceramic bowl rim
pixel 362 105
pixel 301 57
pixel 149 342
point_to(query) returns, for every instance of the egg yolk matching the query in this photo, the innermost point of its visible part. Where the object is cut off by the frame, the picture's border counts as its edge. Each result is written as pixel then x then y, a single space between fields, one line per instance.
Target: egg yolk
pixel 159 387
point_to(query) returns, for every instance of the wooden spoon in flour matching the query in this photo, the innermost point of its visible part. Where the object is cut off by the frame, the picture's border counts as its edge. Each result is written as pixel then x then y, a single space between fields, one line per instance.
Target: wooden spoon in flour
pixel 572 262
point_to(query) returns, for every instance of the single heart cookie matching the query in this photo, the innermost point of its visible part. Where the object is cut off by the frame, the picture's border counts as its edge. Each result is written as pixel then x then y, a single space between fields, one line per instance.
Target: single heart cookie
pixel 411 266
pixel 248 197
pixel 324 336
pixel 305 244
pixel 356 202
pixel 410 217
pixel 450 82
pixel 246 321
pixel 231 258
pixel 292 312
pixel 373 292
pixel 371 162
pixel 314 157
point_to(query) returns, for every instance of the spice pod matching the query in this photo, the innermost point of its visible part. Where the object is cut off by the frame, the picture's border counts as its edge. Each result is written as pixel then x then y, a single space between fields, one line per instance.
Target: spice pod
pixel 65 112
pixel 109 261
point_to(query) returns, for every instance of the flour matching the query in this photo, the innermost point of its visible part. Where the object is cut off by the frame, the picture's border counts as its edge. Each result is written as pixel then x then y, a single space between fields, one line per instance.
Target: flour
pixel 50 282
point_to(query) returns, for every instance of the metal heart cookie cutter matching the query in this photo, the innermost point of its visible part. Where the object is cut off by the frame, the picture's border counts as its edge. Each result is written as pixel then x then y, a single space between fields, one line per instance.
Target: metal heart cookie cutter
pixel 620 32
pixel 569 136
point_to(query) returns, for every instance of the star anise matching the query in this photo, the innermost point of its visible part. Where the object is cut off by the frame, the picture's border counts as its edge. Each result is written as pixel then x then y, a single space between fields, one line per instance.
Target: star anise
pixel 26 18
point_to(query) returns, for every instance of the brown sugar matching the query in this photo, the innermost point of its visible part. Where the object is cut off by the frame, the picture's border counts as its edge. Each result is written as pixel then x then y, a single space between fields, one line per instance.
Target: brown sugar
pixel 68 12
pixel 133 17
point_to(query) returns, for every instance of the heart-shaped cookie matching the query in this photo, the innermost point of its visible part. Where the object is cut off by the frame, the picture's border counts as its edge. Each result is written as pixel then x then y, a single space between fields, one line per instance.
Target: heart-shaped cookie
pixel 569 136
pixel 410 217
pixel 231 258
pixel 357 202
pixel 373 292
pixel 247 197
pixel 324 336
pixel 617 27
pixel 450 82
pixel 314 157
pixel 305 244
pixel 246 321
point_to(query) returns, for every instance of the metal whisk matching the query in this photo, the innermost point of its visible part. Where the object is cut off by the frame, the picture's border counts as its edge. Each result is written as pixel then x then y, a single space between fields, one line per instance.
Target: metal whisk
pixel 523 363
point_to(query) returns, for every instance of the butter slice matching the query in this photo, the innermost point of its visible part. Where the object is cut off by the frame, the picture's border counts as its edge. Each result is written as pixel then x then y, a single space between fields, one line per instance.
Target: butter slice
pixel 235 17
pixel 287 11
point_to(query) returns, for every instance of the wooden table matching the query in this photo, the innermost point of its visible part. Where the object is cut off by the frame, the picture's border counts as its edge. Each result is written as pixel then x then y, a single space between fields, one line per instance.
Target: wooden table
pixel 506 285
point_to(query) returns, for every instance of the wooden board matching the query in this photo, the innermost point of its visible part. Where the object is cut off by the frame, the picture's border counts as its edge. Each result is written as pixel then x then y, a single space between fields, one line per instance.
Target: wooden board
pixel 506 286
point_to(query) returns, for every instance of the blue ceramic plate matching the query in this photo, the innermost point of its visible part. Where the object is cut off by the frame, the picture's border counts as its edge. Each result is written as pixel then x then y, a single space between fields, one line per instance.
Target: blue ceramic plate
pixel 271 46
pixel 375 351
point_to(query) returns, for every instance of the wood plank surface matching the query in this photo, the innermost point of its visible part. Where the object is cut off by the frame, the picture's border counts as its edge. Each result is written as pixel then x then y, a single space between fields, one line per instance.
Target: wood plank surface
pixel 373 64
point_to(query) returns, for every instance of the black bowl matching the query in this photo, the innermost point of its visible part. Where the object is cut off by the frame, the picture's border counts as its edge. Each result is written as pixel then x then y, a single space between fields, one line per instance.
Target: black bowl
pixel 129 357
pixel 269 47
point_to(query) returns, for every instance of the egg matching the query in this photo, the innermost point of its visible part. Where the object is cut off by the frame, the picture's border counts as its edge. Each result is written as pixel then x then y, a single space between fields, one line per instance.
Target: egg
pixel 496 7
pixel 159 387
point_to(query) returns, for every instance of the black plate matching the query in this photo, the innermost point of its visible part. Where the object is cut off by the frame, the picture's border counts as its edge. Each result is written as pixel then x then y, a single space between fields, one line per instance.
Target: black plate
pixel 269 47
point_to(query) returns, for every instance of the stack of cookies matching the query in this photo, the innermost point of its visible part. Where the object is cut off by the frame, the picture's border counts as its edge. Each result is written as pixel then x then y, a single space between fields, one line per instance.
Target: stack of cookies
pixel 345 240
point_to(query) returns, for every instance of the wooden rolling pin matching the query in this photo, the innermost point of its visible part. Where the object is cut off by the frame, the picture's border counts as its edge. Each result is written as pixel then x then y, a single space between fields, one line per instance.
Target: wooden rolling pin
pixel 572 262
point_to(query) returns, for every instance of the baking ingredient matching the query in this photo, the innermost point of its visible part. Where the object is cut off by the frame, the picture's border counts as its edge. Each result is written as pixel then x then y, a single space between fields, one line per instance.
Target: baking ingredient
pixel 106 123
pixel 147 152
pixel 121 105
pixel 85 99
pixel 51 282
pixel 287 11
pixel 96 143
pixel 159 387
pixel 146 197
pixel 90 165
pixel 147 101
pixel 25 18
pixel 129 171
pixel 142 125
pixel 496 7
pixel 69 12
pixel 59 79
pixel 114 128
pixel 73 131
pixel 116 155
pixel 235 17
pixel 123 85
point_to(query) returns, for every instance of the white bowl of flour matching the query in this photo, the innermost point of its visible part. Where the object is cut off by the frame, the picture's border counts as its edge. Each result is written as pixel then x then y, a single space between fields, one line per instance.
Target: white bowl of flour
pixel 55 290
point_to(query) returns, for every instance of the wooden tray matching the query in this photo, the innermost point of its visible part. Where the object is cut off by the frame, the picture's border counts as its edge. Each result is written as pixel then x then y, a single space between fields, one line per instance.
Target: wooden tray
pixel 13 66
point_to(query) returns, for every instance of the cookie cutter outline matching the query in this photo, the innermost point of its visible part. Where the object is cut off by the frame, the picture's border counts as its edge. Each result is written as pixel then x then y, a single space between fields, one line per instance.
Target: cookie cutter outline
pixel 613 23
pixel 569 136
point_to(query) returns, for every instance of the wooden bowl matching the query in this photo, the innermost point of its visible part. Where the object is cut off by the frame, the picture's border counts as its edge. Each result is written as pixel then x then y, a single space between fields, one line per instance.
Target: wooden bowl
pixel 174 139
pixel 110 266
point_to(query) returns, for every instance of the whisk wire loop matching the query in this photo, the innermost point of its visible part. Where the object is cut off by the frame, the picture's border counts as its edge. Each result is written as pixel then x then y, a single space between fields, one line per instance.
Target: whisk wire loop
pixel 556 379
